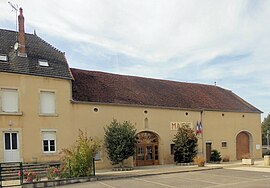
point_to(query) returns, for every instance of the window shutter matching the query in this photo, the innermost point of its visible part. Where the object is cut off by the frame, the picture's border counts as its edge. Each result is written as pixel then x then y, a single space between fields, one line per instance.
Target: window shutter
pixel 10 100
pixel 47 102
pixel 50 135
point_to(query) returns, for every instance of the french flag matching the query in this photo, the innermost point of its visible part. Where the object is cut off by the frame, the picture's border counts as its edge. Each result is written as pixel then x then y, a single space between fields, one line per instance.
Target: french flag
pixel 199 128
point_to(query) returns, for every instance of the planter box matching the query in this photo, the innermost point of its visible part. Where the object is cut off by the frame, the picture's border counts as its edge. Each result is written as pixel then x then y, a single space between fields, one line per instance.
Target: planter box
pixel 266 160
pixel 248 161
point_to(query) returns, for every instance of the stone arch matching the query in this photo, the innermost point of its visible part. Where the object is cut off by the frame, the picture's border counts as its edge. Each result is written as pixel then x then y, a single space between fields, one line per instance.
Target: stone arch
pixel 147 148
pixel 244 142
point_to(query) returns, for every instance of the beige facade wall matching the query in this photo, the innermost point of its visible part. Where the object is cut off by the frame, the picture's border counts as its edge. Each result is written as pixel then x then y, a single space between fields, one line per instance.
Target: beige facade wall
pixel 72 116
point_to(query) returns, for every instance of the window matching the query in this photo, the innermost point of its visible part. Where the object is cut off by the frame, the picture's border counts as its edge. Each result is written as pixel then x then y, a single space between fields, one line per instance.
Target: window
pixel 223 144
pixel 49 141
pixel 11 141
pixel 43 63
pixel 172 149
pixel 47 102
pixel 9 100
pixel 3 57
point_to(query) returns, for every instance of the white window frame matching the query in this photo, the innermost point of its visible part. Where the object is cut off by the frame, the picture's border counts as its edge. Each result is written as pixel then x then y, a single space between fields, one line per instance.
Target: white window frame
pixel 43 63
pixel 2 102
pixel 49 135
pixel 43 112
pixel 3 57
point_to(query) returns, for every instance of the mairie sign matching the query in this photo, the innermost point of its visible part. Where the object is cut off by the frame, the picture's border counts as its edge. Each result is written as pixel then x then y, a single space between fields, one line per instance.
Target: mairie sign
pixel 175 125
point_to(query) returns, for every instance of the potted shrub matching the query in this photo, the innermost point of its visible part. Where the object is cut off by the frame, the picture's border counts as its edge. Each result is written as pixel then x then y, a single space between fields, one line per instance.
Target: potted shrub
pixel 226 158
pixel 247 160
pixel 200 161
pixel 215 156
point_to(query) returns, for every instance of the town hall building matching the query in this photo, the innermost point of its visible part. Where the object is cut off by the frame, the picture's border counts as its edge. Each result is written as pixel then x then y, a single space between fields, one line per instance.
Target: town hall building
pixel 44 103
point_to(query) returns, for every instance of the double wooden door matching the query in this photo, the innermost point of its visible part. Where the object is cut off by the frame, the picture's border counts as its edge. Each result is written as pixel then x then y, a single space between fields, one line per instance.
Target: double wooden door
pixel 147 154
pixel 147 149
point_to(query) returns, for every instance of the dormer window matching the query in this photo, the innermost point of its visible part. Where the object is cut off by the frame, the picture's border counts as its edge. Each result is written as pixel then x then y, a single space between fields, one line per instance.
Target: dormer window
pixel 43 63
pixel 3 57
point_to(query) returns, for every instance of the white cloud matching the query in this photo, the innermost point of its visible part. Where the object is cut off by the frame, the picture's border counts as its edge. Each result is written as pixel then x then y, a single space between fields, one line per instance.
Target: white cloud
pixel 177 39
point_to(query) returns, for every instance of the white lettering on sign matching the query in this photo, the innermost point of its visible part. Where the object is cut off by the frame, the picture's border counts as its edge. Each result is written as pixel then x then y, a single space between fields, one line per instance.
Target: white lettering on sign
pixel 175 125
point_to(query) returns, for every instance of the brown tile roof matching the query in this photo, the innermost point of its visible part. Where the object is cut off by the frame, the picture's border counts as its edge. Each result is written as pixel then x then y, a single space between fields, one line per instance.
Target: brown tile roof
pixel 92 86
pixel 36 48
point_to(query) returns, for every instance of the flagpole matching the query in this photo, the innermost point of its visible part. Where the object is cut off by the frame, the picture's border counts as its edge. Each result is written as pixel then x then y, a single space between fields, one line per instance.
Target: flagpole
pixel 202 136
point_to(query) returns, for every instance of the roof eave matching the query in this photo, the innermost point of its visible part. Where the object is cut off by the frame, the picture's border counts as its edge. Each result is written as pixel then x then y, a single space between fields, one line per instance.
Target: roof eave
pixel 159 107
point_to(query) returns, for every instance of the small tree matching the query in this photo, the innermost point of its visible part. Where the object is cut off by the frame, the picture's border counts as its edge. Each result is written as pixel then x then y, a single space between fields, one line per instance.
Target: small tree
pixel 119 141
pixel 215 156
pixel 265 126
pixel 185 142
pixel 78 159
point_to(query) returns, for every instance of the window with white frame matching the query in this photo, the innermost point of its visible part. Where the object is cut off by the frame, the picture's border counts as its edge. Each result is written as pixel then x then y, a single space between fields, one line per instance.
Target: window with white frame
pixel 3 57
pixel 47 102
pixel 9 100
pixel 49 141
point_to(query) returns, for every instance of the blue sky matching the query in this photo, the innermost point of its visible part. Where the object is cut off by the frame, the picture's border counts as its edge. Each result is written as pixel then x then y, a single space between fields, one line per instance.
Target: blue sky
pixel 227 42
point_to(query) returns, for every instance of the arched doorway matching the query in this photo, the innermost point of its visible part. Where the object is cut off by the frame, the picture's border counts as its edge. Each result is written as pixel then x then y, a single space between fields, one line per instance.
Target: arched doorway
pixel 147 149
pixel 242 145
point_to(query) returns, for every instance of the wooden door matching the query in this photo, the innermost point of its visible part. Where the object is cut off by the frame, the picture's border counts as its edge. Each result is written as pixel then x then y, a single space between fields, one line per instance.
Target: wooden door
pixel 147 149
pixel 208 151
pixel 242 145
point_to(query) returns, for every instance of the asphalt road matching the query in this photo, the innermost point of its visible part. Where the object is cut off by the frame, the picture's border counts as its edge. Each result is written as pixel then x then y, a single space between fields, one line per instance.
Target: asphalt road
pixel 202 179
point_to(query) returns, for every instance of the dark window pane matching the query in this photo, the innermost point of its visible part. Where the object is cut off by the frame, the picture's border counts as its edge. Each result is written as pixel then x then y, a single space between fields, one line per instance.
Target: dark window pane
pixel 52 145
pixel 52 148
pixel 45 145
pixel 156 152
pixel 52 142
pixel 7 141
pixel 14 141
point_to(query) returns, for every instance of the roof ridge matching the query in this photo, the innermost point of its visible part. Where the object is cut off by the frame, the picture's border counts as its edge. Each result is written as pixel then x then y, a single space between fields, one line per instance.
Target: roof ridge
pixel 35 35
pixel 142 77
pixel 50 45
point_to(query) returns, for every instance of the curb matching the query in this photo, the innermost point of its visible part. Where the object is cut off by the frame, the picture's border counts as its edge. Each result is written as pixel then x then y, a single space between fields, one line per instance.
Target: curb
pixel 110 177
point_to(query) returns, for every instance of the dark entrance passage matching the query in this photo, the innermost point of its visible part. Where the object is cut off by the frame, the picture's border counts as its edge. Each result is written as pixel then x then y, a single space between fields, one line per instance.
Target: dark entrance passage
pixel 147 149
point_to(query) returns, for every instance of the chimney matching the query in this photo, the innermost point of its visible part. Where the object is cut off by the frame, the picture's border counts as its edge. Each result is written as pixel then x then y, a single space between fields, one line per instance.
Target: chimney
pixel 21 35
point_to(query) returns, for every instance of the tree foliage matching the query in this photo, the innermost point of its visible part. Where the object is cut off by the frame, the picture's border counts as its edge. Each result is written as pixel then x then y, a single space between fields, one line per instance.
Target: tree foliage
pixel 265 127
pixel 78 159
pixel 185 147
pixel 119 141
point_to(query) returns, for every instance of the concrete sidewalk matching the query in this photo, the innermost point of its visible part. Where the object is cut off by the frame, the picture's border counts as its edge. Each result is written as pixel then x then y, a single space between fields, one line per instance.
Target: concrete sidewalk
pixel 172 168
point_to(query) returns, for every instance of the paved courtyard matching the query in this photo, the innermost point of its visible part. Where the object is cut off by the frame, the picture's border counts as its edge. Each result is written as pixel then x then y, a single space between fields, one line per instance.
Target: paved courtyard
pixel 201 179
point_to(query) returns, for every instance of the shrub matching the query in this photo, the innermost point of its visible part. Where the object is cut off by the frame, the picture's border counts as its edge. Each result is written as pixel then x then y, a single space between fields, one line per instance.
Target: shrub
pixel 226 158
pixel 78 159
pixel 200 161
pixel 29 176
pixel 53 173
pixel 120 141
pixel 215 156
pixel 185 147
